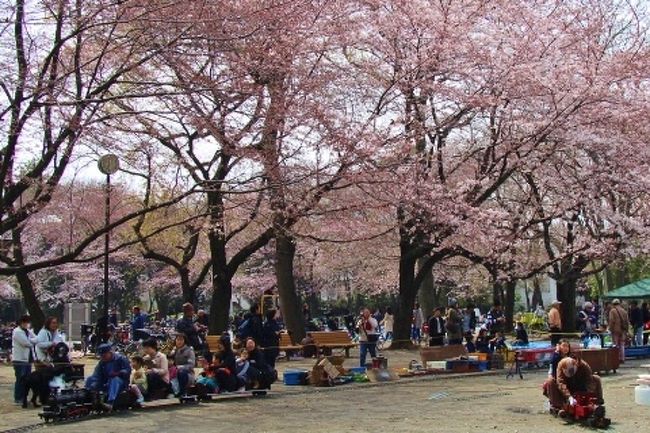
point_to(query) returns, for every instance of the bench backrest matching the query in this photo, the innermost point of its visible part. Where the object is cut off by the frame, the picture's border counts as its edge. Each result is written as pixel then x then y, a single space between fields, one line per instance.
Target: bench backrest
pixel 330 337
pixel 213 342
pixel 441 353
pixel 285 339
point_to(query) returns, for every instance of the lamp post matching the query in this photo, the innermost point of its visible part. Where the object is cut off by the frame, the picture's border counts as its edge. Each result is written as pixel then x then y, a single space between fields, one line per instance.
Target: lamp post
pixel 108 164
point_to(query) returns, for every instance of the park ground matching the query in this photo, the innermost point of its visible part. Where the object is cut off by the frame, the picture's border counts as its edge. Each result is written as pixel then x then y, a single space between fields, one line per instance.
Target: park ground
pixel 477 403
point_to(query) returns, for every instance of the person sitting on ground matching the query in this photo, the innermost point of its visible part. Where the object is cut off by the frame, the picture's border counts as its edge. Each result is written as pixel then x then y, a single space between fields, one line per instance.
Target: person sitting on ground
pixel 138 382
pixel 498 342
pixel 111 375
pixel 185 360
pixel 550 388
pixel 226 373
pixel 207 381
pixel 157 371
pixel 242 368
pixel 482 342
pixel 521 338
pixel 260 374
pixel 574 376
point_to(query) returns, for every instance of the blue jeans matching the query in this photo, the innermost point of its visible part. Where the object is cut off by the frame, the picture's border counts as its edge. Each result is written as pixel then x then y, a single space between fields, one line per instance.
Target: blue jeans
pixel 364 348
pixel 638 336
pixel 183 377
pixel 415 333
pixel 114 386
pixel 21 369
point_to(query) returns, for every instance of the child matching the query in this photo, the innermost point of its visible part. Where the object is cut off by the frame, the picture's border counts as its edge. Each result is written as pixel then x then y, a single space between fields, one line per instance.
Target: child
pixel 498 342
pixel 138 382
pixel 207 378
pixel 242 368
pixel 173 373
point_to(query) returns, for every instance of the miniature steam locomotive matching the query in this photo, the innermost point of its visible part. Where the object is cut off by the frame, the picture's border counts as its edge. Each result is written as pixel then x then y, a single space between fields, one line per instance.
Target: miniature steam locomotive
pixel 587 410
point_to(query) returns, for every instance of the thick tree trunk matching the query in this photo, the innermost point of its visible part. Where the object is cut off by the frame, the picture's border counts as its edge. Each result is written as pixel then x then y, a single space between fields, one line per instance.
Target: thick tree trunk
pixel 25 283
pixel 427 295
pixel 189 294
pixel 510 287
pixel 30 300
pixel 407 293
pixel 220 304
pixel 221 275
pixel 566 293
pixel 285 250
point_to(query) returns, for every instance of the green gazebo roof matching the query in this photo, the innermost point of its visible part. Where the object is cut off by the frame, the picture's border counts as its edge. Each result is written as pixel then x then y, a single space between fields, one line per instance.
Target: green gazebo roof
pixel 637 290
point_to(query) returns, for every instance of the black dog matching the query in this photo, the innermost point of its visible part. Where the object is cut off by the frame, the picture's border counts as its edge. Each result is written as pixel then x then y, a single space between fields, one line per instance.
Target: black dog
pixel 38 382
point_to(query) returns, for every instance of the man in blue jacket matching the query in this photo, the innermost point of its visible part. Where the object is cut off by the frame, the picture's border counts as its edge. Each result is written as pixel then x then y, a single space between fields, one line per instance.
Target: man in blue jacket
pixel 139 322
pixel 111 374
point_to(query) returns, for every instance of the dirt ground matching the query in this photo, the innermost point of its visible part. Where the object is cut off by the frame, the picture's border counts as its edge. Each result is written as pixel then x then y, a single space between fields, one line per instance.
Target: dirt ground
pixel 487 403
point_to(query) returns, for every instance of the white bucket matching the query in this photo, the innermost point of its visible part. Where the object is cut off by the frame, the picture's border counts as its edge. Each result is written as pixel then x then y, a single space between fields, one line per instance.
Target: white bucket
pixel 642 395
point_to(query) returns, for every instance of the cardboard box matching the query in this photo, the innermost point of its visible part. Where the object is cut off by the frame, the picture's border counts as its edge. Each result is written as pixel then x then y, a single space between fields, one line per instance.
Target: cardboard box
pixel 326 369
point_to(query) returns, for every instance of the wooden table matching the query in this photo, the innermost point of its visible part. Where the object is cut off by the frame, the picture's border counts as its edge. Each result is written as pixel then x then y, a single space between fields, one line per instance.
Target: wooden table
pixel 600 360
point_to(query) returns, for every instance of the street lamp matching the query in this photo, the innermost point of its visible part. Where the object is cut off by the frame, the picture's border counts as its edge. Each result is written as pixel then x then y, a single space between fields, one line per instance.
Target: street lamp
pixel 108 164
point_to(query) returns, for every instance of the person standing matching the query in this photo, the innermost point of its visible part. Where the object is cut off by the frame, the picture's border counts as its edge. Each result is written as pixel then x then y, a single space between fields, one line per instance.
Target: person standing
pixel 453 324
pixel 636 320
pixel 618 324
pixel 388 322
pixel 646 320
pixel 139 322
pixel 418 321
pixel 495 320
pixel 367 336
pixel 270 340
pixel 22 355
pixel 187 326
pixel 436 329
pixel 48 337
pixel 555 322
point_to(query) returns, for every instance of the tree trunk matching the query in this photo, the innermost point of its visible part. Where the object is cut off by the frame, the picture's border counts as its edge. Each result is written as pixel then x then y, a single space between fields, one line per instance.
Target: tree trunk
pixel 566 293
pixel 407 293
pixel 25 283
pixel 285 250
pixel 220 304
pixel 509 307
pixel 537 294
pixel 427 296
pixel 189 294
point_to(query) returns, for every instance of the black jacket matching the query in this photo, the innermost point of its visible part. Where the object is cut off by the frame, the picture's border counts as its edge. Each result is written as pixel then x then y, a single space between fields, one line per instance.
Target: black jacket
pixel 433 326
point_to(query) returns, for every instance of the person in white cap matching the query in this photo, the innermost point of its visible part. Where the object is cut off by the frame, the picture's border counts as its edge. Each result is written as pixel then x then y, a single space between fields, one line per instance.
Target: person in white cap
pixel 619 325
pixel 555 322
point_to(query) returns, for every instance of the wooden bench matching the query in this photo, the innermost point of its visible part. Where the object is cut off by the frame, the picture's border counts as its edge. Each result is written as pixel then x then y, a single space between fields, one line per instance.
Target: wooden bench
pixel 327 340
pixel 441 353
pixel 286 344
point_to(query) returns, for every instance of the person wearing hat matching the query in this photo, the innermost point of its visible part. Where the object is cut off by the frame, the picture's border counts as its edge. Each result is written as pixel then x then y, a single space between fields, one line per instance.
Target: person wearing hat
pixel 618 324
pixel 587 321
pixel 22 355
pixel 188 327
pixel 555 322
pixel 111 375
